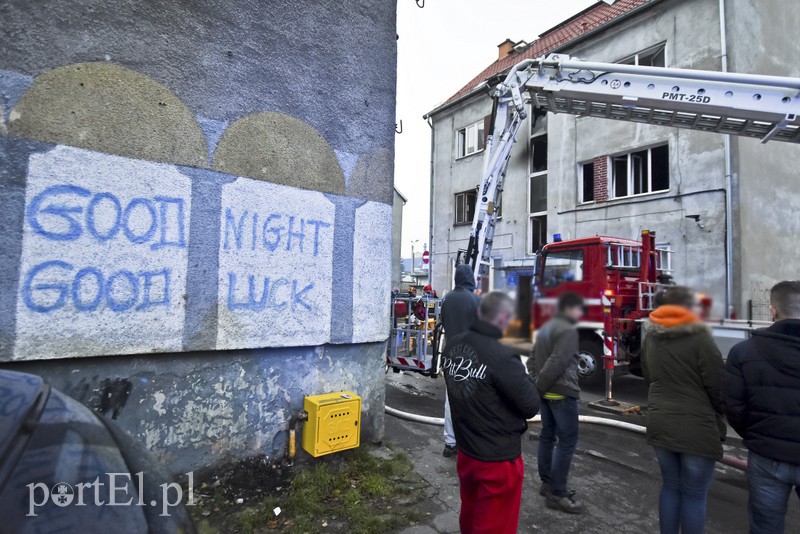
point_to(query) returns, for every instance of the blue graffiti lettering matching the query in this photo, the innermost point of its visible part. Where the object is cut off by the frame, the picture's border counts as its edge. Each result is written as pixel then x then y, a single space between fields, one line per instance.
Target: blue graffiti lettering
pixel 297 296
pixel 267 232
pixel 64 213
pixel 254 232
pixel 273 303
pixel 62 290
pixel 164 202
pixel 291 234
pixel 90 305
pixel 317 226
pixel 91 218
pixel 236 227
pixel 147 289
pixel 251 303
pixel 270 297
pixel 131 297
pixel 126 221
pixel 49 286
pixel 275 232
pixel 58 213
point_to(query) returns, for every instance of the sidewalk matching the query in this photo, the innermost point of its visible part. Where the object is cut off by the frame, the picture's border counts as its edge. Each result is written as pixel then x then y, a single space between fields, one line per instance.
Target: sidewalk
pixel 614 473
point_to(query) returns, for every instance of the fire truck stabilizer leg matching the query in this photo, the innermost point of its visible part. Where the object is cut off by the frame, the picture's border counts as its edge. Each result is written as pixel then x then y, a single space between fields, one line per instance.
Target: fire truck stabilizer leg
pixel 609 404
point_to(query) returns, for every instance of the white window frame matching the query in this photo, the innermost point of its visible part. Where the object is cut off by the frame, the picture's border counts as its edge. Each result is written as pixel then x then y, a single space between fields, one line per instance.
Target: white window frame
pixel 474 131
pixel 651 51
pixel 612 176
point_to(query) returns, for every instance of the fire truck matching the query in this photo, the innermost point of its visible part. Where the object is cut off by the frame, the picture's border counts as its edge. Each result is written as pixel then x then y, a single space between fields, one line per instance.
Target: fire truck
pixel 618 277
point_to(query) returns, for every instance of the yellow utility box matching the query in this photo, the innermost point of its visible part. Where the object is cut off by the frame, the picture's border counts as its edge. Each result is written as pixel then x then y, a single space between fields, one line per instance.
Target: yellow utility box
pixel 334 423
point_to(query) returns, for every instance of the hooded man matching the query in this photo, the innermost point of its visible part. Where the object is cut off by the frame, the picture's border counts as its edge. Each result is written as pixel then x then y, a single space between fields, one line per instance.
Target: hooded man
pixel 761 392
pixel 459 311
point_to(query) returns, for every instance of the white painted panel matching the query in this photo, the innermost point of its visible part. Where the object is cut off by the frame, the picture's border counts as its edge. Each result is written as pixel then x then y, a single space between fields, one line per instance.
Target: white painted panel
pixel 275 266
pixel 372 272
pixel 104 256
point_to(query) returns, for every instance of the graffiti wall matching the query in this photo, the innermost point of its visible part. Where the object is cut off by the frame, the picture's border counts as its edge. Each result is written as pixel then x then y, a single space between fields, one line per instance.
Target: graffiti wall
pixel 108 242
pixel 185 218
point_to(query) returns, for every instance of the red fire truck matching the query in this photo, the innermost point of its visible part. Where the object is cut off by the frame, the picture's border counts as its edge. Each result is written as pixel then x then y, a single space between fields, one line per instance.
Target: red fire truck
pixel 618 279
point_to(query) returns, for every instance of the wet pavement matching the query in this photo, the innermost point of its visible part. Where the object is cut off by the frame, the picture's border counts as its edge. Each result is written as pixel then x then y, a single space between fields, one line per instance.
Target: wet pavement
pixel 614 471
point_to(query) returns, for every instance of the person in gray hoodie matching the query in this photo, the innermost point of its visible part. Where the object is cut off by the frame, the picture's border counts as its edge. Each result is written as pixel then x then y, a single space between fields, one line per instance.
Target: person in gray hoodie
pixel 554 366
pixel 459 311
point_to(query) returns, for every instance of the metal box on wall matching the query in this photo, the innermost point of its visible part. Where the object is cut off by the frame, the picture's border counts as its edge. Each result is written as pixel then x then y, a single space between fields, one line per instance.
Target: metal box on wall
pixel 334 421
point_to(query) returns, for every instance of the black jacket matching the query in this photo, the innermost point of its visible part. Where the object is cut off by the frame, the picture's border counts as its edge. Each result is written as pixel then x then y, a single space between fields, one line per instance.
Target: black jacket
pixel 762 391
pixel 490 394
pixel 460 306
pixel 554 364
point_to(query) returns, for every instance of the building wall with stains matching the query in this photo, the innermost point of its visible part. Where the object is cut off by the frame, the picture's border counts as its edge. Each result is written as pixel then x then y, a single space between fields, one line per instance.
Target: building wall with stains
pixel 197 218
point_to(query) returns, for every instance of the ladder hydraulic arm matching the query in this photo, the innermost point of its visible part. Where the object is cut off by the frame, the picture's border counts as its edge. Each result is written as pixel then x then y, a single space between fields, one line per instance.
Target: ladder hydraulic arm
pixel 762 107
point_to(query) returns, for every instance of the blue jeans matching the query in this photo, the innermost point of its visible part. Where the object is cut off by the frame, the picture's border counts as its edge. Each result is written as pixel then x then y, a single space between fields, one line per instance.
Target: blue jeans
pixel 557 442
pixel 770 484
pixel 685 479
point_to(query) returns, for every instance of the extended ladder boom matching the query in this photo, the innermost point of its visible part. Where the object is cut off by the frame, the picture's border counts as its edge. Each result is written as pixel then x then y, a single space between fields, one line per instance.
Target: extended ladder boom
pixel 762 107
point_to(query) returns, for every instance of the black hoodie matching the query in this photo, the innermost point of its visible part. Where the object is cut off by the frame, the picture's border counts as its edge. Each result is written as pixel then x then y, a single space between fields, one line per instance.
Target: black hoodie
pixel 460 306
pixel 490 394
pixel 762 391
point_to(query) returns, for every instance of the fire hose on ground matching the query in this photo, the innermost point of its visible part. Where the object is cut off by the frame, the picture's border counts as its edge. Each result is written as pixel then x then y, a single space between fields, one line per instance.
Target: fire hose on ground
pixel 731 461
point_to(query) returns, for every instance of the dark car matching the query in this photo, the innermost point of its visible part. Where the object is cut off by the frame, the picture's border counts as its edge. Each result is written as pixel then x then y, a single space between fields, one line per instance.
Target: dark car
pixel 64 468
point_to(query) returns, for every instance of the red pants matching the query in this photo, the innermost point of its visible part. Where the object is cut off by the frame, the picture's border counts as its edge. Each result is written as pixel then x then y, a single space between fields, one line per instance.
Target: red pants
pixel 491 493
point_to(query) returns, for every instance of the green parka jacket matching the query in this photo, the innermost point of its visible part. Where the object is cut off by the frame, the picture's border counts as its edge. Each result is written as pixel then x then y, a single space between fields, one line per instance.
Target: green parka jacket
pixel 683 369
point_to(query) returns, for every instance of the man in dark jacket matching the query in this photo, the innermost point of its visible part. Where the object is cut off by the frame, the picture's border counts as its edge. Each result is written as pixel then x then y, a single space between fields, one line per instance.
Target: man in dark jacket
pixel 459 311
pixel 492 397
pixel 554 366
pixel 762 401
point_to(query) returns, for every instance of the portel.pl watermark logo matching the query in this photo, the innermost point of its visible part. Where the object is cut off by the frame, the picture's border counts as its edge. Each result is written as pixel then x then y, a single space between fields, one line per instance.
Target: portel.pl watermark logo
pixel 117 490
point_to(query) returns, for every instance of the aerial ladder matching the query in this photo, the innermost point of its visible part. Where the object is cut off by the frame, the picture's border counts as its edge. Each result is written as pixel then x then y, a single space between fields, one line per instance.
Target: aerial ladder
pixel 762 107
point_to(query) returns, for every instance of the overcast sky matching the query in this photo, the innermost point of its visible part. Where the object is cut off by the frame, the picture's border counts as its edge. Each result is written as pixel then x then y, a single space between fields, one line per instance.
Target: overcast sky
pixel 441 48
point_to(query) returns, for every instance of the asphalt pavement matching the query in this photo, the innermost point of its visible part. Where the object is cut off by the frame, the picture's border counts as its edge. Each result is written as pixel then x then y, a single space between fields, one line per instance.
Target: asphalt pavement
pixel 614 472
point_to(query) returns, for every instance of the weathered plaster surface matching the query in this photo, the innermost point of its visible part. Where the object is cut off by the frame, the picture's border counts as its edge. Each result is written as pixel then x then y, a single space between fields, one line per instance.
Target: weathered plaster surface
pixel 263 107
pixel 265 146
pixel 372 279
pixel 111 109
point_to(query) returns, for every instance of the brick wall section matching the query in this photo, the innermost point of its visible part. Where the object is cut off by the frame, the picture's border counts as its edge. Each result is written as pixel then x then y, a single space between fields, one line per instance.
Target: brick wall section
pixel 601 179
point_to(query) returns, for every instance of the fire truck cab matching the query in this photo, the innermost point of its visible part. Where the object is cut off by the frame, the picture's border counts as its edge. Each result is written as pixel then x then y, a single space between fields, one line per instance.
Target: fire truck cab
pixel 618 279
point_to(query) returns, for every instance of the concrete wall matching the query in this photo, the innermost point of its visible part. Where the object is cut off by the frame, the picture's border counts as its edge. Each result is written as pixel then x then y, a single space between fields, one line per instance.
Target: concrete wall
pixel 205 190
pixel 696 166
pixel 761 40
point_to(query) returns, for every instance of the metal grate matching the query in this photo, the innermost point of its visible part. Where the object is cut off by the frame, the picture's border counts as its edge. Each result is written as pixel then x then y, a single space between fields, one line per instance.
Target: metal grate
pixel 759 310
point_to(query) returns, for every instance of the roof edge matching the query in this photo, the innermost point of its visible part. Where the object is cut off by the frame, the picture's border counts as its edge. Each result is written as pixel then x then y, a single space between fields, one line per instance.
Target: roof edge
pixel 460 99
pixel 576 40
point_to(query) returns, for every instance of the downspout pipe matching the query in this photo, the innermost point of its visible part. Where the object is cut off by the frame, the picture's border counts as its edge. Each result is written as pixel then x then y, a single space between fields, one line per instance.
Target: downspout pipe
pixel 429 120
pixel 731 461
pixel 723 34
